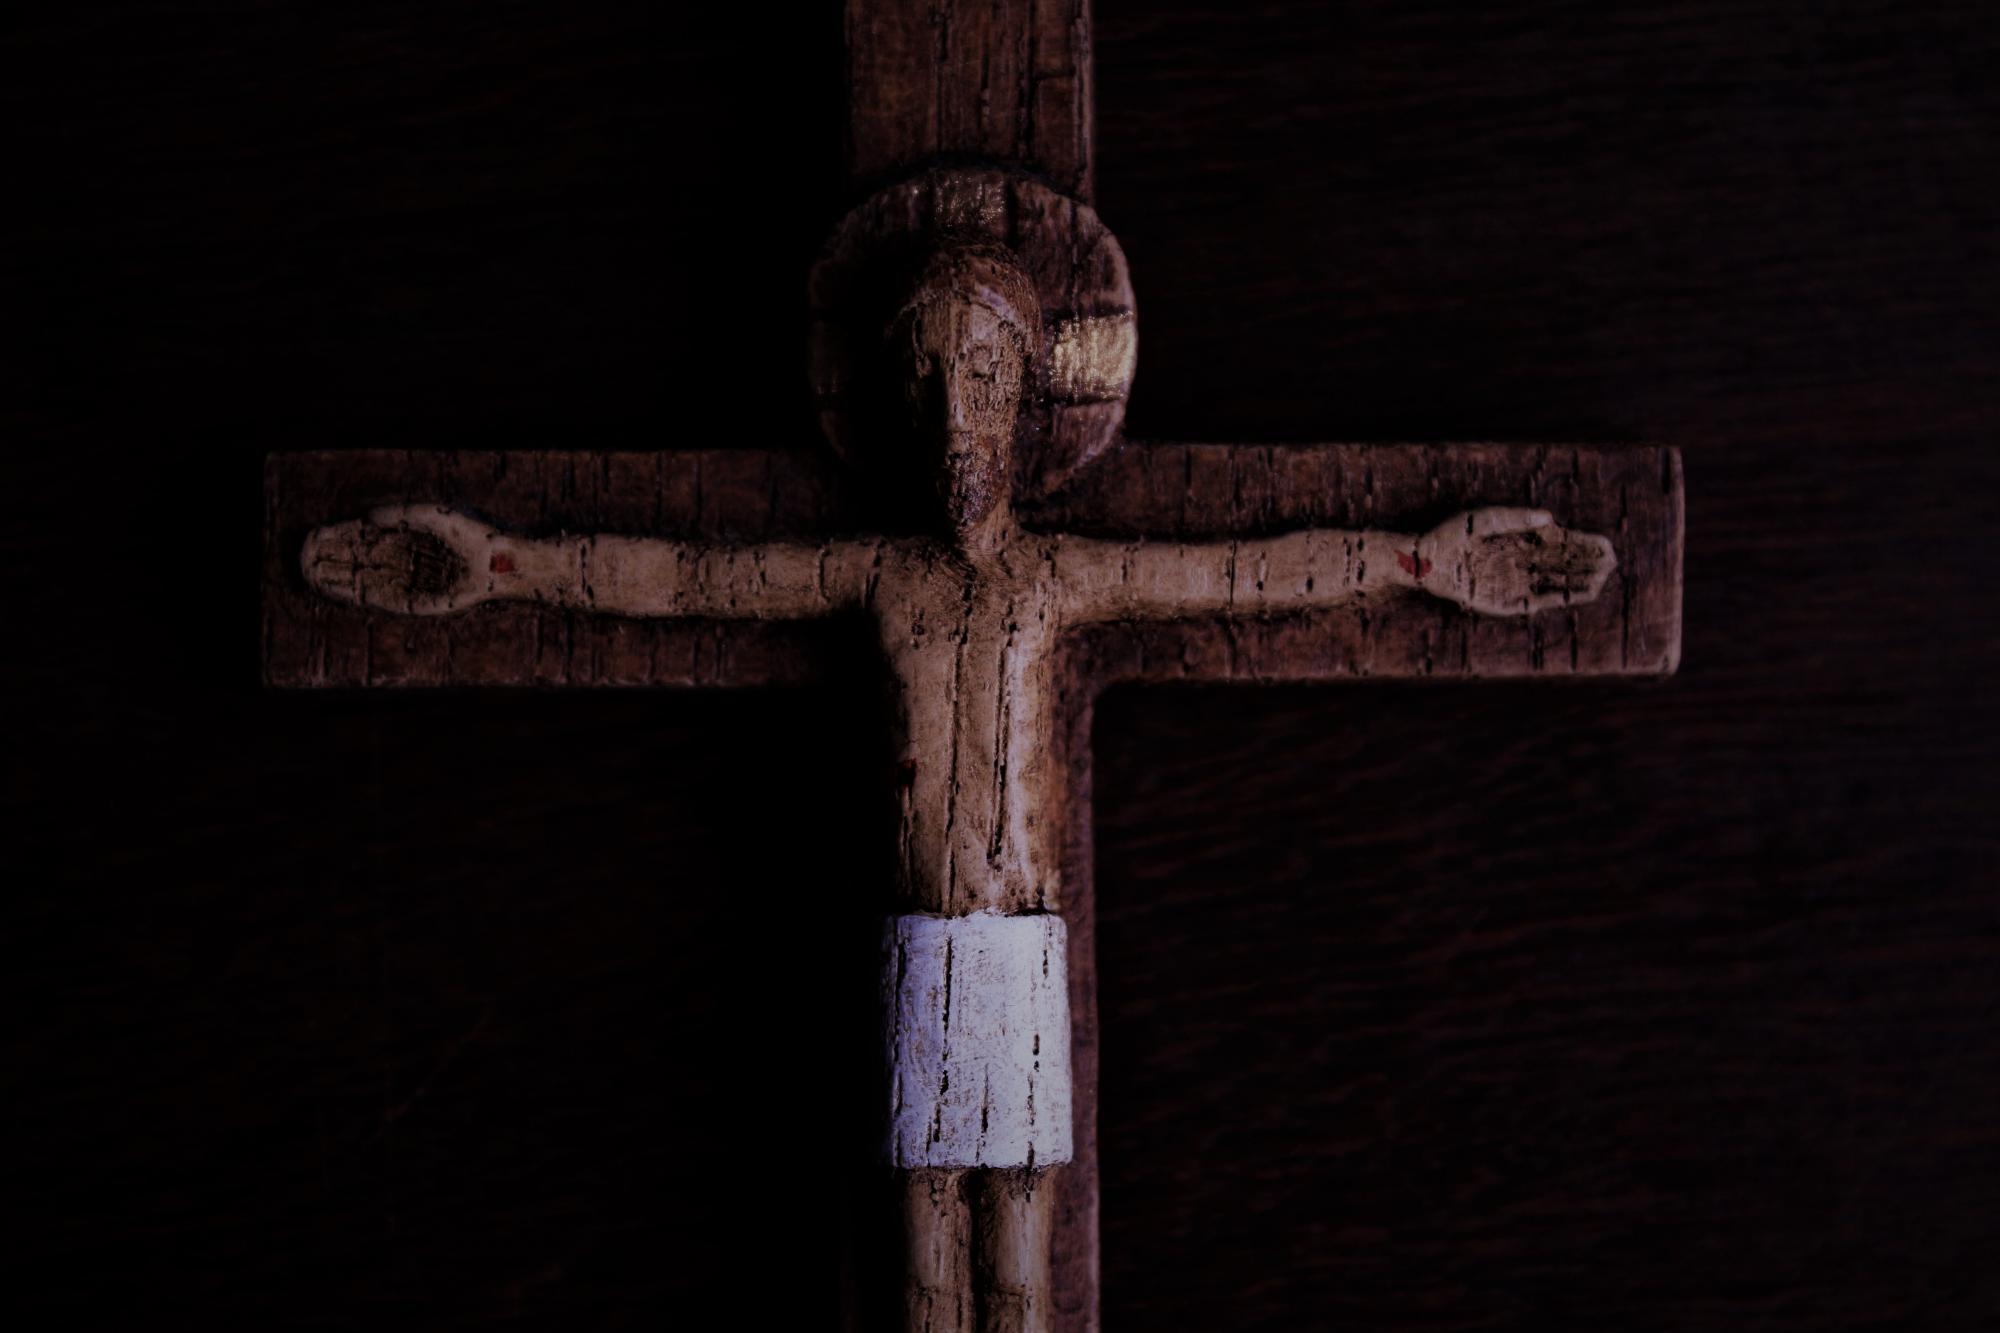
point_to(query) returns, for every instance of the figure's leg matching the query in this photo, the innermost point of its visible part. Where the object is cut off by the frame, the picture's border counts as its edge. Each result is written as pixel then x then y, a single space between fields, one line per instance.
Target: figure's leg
pixel 937 1237
pixel 1013 1213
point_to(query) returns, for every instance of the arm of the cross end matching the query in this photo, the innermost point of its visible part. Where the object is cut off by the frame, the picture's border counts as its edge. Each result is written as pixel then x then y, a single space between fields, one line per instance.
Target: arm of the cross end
pixel 340 586
pixel 1495 561
pixel 1331 561
pixel 431 560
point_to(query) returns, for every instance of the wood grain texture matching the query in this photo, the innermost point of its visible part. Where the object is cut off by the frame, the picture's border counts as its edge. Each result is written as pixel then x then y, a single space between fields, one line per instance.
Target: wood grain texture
pixel 971 639
pixel 960 79
pixel 1702 1040
pixel 1189 586
pixel 310 640
pixel 1196 491
pixel 938 1281
pixel 1190 492
pixel 1564 1008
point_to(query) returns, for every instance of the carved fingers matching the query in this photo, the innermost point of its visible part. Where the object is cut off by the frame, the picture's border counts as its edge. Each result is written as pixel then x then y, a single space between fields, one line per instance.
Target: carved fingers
pixel 1507 561
pixel 411 559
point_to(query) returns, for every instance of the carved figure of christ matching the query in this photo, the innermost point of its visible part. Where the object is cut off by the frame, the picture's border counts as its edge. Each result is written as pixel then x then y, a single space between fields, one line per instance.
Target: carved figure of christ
pixel 970 630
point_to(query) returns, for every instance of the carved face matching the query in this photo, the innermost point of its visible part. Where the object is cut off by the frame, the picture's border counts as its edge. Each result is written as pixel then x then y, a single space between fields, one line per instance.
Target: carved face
pixel 964 342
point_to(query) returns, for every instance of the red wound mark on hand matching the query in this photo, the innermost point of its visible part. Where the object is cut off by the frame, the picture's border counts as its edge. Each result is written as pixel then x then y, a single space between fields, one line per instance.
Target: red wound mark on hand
pixel 1413 564
pixel 501 563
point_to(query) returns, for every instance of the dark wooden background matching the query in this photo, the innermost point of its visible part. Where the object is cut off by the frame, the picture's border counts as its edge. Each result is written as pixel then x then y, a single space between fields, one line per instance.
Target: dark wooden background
pixel 1647 1007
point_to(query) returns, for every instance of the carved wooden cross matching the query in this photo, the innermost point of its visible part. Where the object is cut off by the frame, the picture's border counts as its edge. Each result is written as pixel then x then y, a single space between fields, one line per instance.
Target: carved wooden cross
pixel 973 344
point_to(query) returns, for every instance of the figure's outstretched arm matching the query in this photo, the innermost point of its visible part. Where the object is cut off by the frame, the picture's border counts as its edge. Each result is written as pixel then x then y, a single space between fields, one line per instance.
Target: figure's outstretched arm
pixel 1496 562
pixel 428 560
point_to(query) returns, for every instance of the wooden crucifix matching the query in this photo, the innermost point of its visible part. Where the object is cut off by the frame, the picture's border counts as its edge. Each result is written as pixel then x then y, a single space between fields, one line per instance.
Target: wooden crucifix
pixel 1011 553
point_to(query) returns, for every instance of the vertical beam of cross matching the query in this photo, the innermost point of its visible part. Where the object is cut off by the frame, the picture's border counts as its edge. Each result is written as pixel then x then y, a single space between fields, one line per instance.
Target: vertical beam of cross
pixel 970 81
pixel 1032 582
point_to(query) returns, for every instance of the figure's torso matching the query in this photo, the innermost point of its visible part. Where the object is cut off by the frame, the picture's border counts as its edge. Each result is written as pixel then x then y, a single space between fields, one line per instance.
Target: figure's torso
pixel 971 650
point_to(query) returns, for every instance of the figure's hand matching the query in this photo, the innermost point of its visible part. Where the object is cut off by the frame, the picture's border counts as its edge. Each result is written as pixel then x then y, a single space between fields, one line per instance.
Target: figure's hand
pixel 419 560
pixel 1510 562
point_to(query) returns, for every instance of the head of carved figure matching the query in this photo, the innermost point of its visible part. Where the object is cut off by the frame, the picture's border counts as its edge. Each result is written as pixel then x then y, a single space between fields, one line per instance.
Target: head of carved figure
pixel 964 343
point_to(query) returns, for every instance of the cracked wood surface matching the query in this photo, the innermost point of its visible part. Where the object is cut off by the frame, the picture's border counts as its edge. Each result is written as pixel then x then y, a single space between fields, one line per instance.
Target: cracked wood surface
pixel 1172 492
pixel 971 644
pixel 718 494
pixel 970 79
pixel 995 662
